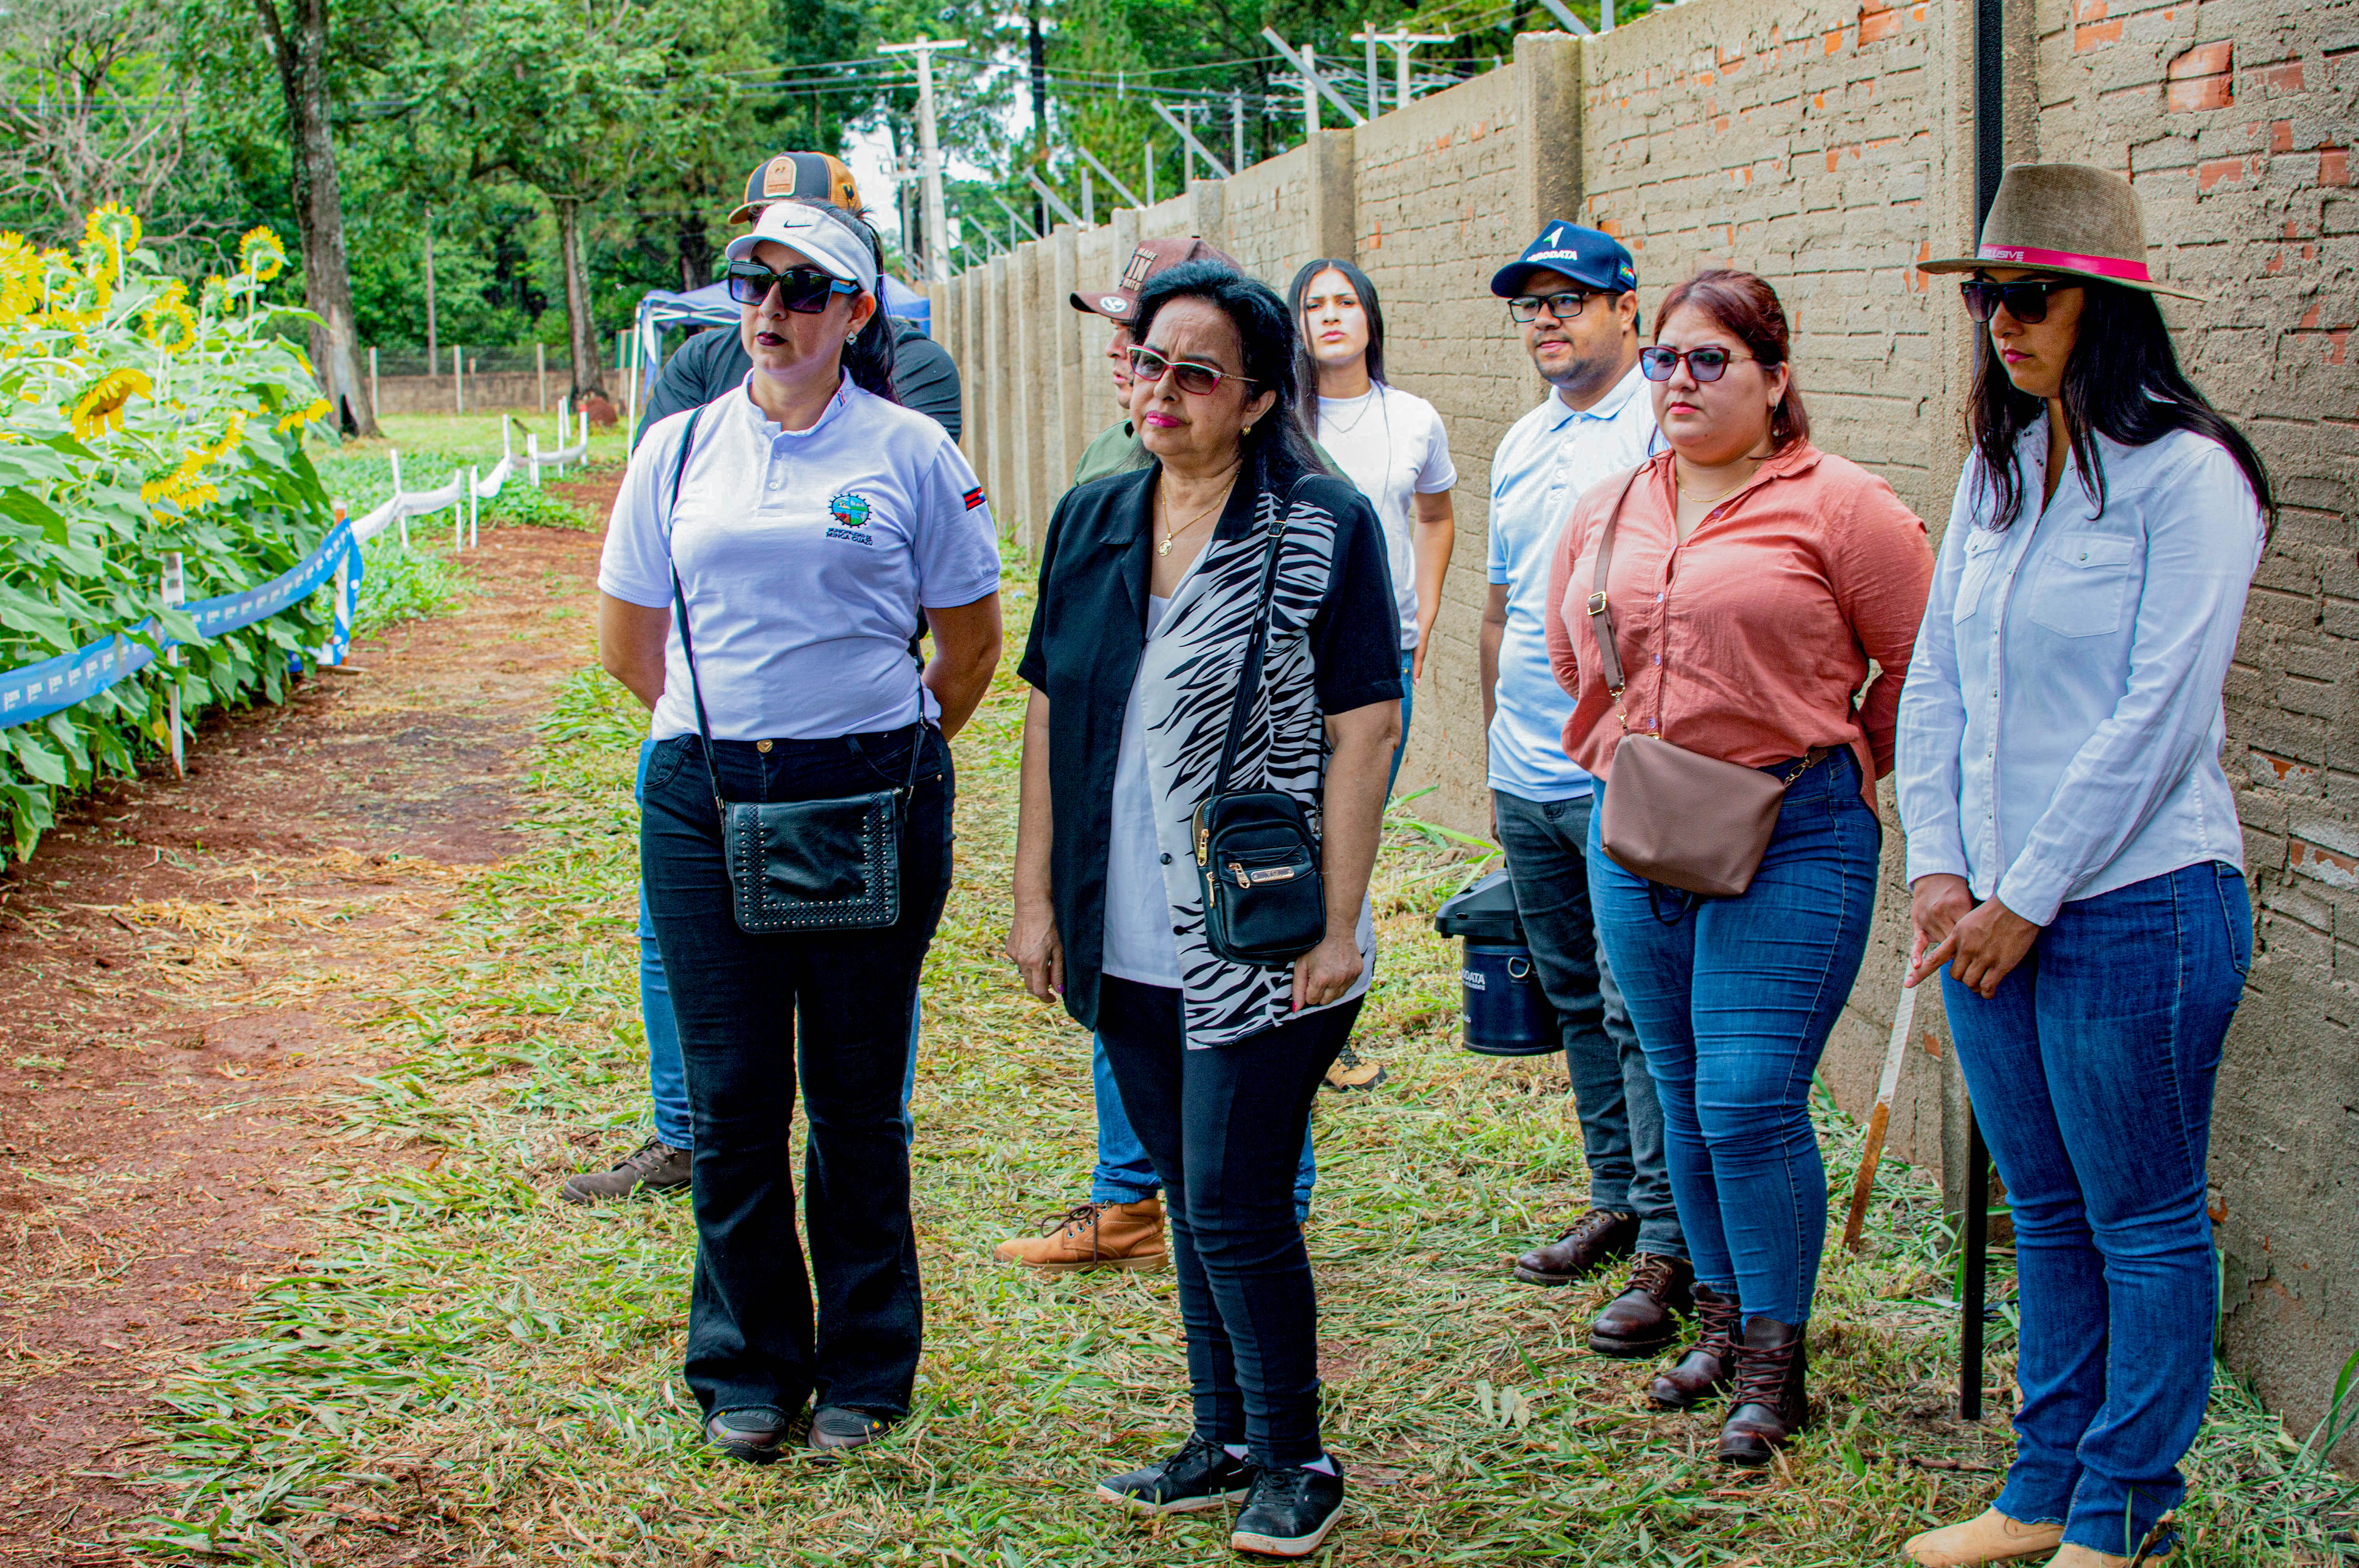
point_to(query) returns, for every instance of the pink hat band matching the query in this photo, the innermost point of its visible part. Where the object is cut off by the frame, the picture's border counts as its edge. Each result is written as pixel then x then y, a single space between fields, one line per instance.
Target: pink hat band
pixel 2031 255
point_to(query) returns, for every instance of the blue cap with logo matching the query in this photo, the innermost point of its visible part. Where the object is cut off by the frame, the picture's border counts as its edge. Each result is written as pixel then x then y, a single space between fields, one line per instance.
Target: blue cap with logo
pixel 1588 257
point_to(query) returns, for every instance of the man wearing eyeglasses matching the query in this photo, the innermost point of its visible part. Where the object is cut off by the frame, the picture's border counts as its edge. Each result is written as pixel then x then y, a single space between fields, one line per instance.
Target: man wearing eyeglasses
pixel 713 361
pixel 1572 294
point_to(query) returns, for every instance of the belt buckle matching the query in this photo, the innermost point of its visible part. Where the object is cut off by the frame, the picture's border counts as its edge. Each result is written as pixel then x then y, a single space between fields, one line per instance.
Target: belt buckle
pixel 1597 602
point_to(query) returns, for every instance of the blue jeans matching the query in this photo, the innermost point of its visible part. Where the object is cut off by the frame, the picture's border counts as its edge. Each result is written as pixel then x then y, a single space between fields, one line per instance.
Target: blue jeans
pixel 1125 1174
pixel 1408 707
pixel 667 1079
pixel 1733 998
pixel 2091 1072
pixel 1546 846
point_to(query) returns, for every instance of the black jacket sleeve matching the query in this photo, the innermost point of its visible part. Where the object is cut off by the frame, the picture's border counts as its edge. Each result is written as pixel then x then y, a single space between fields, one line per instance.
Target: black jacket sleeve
pixel 698 371
pixel 925 376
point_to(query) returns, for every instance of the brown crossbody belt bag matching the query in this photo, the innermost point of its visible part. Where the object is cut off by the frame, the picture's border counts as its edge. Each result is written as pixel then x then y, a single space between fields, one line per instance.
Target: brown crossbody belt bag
pixel 1673 815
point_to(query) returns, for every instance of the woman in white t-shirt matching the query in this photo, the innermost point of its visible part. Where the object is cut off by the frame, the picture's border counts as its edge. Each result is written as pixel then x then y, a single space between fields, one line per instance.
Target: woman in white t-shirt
pixel 1390 442
pixel 799 525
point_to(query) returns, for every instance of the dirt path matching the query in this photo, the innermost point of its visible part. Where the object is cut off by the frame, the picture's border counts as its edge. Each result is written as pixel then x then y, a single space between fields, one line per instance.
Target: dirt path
pixel 178 966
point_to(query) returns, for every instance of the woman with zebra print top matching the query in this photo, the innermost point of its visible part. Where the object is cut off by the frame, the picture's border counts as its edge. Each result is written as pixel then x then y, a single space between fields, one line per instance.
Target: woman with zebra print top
pixel 1150 590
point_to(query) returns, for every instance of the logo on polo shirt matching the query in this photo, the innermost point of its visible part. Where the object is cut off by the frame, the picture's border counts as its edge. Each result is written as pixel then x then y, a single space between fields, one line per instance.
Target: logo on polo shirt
pixel 849 508
pixel 974 498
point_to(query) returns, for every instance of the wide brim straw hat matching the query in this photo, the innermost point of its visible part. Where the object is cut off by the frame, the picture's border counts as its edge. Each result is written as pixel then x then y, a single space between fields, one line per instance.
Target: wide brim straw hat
pixel 2068 219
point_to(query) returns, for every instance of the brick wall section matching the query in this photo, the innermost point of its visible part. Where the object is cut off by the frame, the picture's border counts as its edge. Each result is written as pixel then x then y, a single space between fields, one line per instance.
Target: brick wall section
pixel 2233 121
pixel 1828 145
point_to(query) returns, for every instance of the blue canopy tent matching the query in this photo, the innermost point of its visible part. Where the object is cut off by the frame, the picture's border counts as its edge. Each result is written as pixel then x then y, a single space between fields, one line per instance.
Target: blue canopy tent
pixel 662 311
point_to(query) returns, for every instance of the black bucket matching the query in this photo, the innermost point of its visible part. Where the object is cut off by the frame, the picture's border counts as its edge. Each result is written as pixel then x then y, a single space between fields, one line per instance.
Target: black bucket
pixel 1505 1012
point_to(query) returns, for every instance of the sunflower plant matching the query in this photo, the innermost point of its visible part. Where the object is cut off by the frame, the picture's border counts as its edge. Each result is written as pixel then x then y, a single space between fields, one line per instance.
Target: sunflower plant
pixel 134 422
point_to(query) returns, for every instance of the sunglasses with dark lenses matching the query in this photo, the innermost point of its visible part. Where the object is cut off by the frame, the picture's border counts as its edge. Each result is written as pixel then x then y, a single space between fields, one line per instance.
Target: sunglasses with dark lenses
pixel 1563 306
pixel 1707 363
pixel 803 289
pixel 2025 301
pixel 1200 379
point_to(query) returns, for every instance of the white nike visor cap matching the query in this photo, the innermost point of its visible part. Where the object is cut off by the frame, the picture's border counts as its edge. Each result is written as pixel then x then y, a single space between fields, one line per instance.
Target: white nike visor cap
pixel 831 243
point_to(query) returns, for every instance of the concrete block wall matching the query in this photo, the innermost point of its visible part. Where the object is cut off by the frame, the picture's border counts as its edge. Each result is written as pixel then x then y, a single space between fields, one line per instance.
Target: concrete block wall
pixel 1828 145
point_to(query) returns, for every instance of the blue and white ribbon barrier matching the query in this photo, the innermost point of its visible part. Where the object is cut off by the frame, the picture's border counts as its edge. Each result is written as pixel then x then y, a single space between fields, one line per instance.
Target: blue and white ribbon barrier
pixel 35 691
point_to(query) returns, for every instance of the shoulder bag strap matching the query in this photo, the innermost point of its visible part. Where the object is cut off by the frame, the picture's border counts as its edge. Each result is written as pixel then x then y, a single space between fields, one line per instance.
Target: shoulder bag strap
pixel 1601 621
pixel 679 613
pixel 1249 680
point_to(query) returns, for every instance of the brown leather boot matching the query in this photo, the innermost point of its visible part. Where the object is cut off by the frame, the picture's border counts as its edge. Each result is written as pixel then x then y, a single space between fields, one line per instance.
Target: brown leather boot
pixel 1645 1318
pixel 1772 1363
pixel 1599 1236
pixel 1094 1236
pixel 1989 1538
pixel 1710 1365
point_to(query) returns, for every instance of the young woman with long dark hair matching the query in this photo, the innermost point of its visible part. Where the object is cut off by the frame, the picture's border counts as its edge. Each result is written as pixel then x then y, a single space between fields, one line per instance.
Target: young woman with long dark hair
pixel 2075 861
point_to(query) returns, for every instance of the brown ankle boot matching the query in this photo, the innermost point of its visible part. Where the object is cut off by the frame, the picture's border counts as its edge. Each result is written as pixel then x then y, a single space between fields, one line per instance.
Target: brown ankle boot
pixel 1094 1236
pixel 1710 1365
pixel 1772 1403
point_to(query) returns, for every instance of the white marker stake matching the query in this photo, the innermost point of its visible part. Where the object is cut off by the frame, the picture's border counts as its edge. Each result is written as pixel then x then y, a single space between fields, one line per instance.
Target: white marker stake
pixel 474 508
pixel 532 457
pixel 175 594
pixel 340 626
pixel 396 456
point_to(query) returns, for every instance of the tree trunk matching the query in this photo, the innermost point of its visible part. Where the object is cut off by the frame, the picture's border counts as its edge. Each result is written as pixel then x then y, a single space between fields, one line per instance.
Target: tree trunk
pixel 1038 47
pixel 589 364
pixel 300 52
pixel 433 343
pixel 695 253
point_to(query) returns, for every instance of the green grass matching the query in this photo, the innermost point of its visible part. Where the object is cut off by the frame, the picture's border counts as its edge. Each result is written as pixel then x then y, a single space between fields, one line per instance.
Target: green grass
pixel 489 1376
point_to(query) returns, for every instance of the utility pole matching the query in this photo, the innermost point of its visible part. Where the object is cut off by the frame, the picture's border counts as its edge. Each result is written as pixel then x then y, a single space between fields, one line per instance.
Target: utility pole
pixel 1368 32
pixel 1237 127
pixel 1401 41
pixel 1310 92
pixel 929 158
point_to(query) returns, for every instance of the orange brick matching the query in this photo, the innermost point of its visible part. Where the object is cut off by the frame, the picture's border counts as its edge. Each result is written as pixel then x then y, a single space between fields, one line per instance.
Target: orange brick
pixel 2218 170
pixel 2334 166
pixel 2285 77
pixel 2091 37
pixel 1877 21
pixel 2204 60
pixel 2281 136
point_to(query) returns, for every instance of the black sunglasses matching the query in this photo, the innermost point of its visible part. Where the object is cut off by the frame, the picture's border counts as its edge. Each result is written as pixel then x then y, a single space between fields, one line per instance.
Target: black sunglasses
pixel 1564 307
pixel 1200 379
pixel 1707 363
pixel 2025 301
pixel 803 289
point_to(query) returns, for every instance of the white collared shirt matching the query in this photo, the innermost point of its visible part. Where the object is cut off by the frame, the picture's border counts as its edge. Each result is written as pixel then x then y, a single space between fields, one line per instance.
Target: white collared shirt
pixel 804 555
pixel 1544 462
pixel 2061 728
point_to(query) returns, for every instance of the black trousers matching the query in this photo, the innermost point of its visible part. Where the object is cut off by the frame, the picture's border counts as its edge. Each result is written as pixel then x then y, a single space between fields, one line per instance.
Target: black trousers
pixel 1224 1129
pixel 756 1014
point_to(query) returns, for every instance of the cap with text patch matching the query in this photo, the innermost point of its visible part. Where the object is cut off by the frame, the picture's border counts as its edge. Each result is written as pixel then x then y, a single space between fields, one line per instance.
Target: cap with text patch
pixel 1119 304
pixel 1591 257
pixel 814 175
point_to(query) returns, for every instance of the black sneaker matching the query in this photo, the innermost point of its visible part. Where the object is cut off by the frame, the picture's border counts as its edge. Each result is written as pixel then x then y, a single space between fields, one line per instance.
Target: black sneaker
pixel 756 1436
pixel 653 1167
pixel 1288 1513
pixel 1202 1475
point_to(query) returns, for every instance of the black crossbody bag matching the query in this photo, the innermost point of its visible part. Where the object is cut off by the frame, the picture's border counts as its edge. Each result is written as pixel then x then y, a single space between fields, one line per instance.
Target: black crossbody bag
pixel 799 865
pixel 1256 855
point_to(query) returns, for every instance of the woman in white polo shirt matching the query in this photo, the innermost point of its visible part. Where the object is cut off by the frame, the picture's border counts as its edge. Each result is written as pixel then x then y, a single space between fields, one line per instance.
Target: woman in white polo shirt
pixel 809 518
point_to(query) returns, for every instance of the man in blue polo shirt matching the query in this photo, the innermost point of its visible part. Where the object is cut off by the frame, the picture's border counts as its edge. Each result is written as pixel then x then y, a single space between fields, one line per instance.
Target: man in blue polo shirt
pixel 1572 295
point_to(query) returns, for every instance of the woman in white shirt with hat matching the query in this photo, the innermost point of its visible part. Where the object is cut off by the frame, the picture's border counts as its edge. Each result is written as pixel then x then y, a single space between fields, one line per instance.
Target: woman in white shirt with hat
pixel 764 572
pixel 2075 861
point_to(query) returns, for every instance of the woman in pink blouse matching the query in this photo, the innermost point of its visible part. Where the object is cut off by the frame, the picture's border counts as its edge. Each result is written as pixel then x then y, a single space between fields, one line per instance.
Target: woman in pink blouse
pixel 1756 584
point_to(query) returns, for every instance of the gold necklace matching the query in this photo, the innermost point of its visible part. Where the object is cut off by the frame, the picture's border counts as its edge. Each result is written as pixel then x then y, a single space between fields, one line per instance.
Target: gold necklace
pixel 1708 500
pixel 1170 532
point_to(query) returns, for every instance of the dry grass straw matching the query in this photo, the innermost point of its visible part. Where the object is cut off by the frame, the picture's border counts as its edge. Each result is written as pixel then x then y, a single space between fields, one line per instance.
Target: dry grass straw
pixel 473 1372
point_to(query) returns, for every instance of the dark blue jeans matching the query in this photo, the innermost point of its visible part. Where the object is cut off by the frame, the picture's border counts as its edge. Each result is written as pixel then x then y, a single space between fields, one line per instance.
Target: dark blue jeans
pixel 759 1016
pixel 1733 998
pixel 1547 845
pixel 1223 1126
pixel 2091 1072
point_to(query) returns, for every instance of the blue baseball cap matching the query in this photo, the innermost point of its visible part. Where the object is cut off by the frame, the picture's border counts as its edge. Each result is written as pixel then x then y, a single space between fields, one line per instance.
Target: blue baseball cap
pixel 1585 256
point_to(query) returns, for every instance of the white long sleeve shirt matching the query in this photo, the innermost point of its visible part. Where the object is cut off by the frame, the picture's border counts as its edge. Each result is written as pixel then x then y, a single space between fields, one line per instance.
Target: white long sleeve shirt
pixel 2061 728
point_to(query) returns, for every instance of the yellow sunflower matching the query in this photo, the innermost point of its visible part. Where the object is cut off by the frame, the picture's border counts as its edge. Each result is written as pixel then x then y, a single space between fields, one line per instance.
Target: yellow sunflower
pixel 109 234
pixel 20 277
pixel 315 409
pixel 261 255
pixel 229 439
pixel 101 407
pixel 169 324
pixel 215 294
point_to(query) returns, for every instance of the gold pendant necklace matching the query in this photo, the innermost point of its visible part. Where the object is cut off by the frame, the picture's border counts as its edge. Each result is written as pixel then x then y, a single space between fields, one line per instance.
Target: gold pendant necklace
pixel 1170 532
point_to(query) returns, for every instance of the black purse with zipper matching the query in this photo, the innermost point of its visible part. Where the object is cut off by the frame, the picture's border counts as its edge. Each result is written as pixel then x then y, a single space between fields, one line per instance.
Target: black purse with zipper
pixel 801 865
pixel 1256 855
